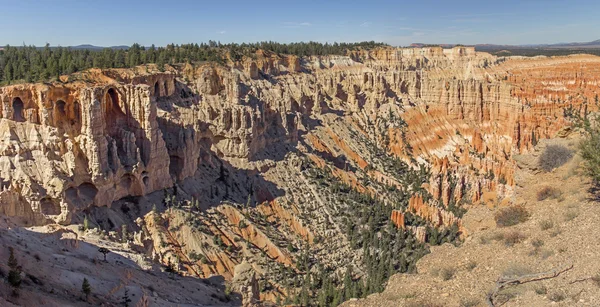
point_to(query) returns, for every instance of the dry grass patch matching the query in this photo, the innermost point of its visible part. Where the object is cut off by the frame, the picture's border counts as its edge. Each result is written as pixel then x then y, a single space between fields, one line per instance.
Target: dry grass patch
pixel 511 216
pixel 445 273
pixel 469 302
pixel 546 224
pixel 557 296
pixel 570 215
pixel 540 290
pixel 513 237
pixel 537 243
pixel 548 192
pixel 471 265
pixel 516 270
pixel 554 156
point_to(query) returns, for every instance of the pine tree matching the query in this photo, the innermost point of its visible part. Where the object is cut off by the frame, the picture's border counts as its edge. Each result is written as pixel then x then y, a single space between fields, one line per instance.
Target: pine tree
pixel 86 288
pixel 14 275
pixel 125 300
pixel 86 223
pixel 104 251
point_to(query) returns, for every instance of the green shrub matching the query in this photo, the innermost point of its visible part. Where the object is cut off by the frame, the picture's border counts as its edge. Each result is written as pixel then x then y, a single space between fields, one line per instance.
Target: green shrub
pixel 554 156
pixel 591 155
pixel 511 216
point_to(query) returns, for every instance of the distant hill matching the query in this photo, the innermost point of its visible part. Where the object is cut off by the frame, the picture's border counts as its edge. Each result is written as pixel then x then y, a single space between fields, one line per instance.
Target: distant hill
pixel 92 47
pixel 592 44
pixel 82 47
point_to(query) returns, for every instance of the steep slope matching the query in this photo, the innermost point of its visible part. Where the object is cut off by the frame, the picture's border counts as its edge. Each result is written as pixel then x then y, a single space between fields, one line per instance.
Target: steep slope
pixel 556 235
pixel 297 168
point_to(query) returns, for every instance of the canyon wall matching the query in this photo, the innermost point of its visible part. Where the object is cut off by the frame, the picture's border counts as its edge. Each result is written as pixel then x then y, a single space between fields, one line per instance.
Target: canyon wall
pixel 218 137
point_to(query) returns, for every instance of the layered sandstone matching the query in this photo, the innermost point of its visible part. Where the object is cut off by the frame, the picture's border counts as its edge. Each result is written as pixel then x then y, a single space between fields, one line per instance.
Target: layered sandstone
pixel 218 137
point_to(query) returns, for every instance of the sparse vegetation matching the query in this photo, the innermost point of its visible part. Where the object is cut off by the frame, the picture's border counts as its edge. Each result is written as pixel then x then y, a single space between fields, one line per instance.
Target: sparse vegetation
pixel 537 243
pixel 469 302
pixel 548 192
pixel 596 279
pixel 471 265
pixel 447 273
pixel 570 215
pixel 540 289
pixel 546 224
pixel 515 270
pixel 513 237
pixel 557 296
pixel 511 216
pixel 554 156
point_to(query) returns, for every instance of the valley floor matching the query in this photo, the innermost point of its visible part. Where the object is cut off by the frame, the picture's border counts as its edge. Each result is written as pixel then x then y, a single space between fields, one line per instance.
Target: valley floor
pixel 561 231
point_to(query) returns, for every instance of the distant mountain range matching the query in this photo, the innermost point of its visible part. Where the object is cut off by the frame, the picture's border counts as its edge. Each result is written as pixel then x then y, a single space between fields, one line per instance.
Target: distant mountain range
pixel 80 47
pixel 92 47
pixel 593 44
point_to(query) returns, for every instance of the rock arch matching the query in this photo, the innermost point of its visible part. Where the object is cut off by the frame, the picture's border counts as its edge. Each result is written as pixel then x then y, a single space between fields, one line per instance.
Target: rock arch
pixel 18 110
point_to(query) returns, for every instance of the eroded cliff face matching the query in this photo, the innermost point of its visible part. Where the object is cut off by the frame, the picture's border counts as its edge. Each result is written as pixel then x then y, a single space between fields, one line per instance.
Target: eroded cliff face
pixel 249 150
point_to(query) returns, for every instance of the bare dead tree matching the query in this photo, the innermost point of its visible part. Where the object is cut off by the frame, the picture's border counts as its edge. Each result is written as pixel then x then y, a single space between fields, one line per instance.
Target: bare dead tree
pixel 504 282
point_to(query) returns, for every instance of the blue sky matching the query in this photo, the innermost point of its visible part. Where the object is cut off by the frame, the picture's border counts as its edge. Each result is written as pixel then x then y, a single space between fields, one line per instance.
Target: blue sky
pixel 109 22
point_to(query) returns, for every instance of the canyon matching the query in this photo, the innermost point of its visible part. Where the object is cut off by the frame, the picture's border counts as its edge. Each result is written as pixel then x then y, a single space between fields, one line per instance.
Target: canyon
pixel 263 169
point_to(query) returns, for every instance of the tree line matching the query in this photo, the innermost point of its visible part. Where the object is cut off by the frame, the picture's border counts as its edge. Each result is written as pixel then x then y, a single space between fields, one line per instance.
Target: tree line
pixel 33 64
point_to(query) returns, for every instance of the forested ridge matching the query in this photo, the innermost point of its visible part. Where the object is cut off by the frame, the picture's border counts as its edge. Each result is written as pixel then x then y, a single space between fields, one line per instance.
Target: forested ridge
pixel 33 64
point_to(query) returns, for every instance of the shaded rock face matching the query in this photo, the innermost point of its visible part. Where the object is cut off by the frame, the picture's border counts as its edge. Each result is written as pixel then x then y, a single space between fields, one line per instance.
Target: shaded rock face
pixel 74 146
pixel 245 134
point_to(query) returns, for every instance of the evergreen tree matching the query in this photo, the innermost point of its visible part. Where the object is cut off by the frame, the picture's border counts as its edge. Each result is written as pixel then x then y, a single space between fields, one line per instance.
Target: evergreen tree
pixel 86 288
pixel 14 273
pixel 104 251
pixel 125 300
